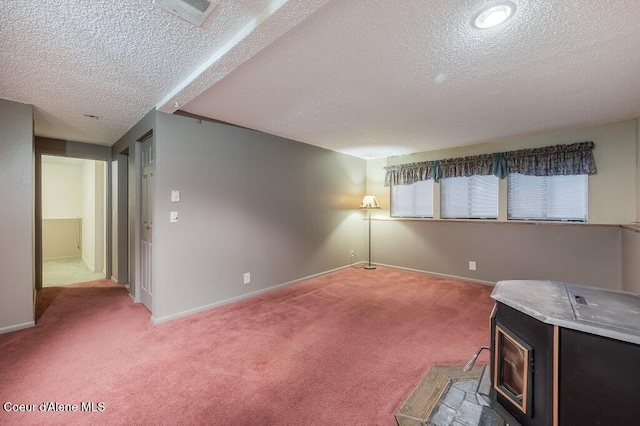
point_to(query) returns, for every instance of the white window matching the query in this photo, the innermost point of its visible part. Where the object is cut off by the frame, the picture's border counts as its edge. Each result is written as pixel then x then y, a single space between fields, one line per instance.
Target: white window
pixel 548 197
pixel 469 197
pixel 415 200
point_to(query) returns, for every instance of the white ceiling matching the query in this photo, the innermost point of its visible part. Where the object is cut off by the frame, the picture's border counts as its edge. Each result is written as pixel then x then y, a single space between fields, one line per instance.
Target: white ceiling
pixel 368 78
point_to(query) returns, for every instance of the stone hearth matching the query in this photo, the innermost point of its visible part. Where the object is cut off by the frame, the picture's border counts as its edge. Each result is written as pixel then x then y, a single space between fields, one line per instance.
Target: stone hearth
pixel 447 396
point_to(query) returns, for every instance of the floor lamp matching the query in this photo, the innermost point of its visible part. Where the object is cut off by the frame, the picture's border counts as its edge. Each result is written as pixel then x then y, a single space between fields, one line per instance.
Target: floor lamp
pixel 369 203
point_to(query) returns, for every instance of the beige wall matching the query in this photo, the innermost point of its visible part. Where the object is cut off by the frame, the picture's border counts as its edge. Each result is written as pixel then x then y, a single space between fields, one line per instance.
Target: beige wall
pixel 100 193
pixel 16 227
pixel 93 214
pixel 61 190
pixel 61 238
pixel 612 191
pixel 637 170
pixel 631 239
pixel 71 191
pixel 61 209
pixel 588 255
pixel 89 214
pixel 584 254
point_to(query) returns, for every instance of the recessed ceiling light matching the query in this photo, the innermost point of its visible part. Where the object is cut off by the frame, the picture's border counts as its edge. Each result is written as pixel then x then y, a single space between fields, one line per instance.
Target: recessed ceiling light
pixel 494 15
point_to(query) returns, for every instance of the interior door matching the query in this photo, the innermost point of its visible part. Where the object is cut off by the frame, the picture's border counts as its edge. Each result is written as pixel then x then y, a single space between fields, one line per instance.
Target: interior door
pixel 147 195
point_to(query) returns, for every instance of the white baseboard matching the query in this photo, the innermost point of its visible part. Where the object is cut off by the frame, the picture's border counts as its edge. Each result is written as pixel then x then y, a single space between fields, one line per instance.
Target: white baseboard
pixel 456 277
pixel 156 320
pixel 17 327
pixel 62 257
pixel 114 279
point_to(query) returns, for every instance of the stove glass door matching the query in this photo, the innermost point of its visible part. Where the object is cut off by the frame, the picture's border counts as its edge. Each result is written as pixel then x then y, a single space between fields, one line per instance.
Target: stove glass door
pixel 511 367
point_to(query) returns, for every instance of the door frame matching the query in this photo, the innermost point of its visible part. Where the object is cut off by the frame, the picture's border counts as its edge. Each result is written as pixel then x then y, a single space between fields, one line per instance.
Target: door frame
pixel 145 271
pixel 129 211
pixel 122 214
pixel 85 151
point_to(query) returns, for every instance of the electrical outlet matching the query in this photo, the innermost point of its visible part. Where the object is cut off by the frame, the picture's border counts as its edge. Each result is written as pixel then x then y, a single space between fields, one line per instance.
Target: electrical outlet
pixel 247 277
pixel 353 256
pixel 472 265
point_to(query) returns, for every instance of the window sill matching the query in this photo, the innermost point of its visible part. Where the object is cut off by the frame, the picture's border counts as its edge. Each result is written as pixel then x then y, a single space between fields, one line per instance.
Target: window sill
pixel 633 227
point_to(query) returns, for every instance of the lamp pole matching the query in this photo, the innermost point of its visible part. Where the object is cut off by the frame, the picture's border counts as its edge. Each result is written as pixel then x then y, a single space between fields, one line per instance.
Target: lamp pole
pixel 369 203
pixel 369 266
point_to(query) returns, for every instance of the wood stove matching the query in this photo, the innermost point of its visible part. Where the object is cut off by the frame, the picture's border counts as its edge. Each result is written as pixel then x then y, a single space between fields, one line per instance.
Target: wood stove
pixel 563 354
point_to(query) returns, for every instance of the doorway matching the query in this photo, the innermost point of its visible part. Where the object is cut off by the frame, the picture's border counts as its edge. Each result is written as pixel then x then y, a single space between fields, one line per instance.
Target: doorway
pixel 74 220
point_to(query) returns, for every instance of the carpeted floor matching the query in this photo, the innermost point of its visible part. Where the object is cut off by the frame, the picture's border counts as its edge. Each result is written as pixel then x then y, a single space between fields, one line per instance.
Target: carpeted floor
pixel 68 270
pixel 342 349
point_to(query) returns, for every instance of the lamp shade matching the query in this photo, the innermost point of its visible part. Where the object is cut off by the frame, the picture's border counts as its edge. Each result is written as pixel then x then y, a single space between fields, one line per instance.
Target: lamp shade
pixel 369 202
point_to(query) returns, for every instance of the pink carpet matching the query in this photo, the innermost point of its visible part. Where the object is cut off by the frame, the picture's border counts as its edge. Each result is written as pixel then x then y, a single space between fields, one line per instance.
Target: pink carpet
pixel 345 348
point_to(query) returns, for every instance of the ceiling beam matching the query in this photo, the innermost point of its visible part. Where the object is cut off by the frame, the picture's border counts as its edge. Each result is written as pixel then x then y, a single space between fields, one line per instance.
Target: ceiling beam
pixel 273 22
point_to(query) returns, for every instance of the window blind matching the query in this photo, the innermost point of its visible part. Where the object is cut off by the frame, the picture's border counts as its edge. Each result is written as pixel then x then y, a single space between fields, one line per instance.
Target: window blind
pixel 469 197
pixel 415 200
pixel 547 197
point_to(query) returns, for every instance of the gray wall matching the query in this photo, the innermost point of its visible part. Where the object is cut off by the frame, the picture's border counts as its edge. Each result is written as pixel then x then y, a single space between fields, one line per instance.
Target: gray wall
pixel 16 227
pixel 589 255
pixel 631 260
pixel 250 202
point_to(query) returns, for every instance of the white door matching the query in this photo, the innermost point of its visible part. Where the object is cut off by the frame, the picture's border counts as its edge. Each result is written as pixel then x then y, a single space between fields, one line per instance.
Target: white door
pixel 147 195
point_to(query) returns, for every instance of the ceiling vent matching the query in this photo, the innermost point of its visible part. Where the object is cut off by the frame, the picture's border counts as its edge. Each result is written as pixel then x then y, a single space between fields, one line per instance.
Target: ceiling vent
pixel 194 11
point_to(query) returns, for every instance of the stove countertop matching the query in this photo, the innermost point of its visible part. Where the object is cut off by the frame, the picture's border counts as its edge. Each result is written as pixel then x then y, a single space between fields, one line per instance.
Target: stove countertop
pixel 608 313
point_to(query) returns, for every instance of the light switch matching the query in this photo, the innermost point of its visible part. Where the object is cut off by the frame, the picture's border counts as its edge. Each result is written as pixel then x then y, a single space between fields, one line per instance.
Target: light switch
pixel 173 217
pixel 175 196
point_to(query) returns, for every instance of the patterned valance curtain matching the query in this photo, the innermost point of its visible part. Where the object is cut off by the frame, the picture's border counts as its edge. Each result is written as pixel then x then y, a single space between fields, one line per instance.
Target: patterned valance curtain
pixel 406 174
pixel 572 159
pixel 467 166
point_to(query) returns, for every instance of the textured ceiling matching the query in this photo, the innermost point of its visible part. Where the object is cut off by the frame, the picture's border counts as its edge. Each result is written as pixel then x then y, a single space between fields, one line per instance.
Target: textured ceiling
pixel 368 78
pixel 110 59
